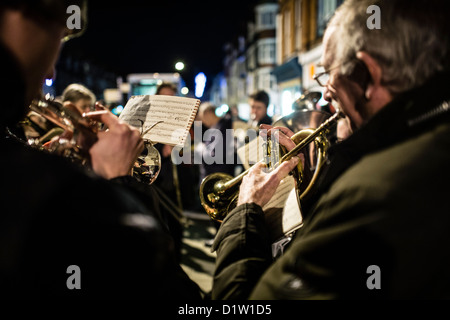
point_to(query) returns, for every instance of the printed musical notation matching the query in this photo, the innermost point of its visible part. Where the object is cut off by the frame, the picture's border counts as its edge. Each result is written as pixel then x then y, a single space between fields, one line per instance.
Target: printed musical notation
pixel 252 152
pixel 283 213
pixel 175 114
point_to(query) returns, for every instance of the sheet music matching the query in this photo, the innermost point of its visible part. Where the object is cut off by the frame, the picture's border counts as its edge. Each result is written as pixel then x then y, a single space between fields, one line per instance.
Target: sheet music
pixel 282 212
pixel 282 193
pixel 252 152
pixel 292 216
pixel 176 115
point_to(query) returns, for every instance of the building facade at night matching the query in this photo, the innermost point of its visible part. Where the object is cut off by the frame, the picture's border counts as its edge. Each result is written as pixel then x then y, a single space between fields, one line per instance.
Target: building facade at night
pixel 280 54
pixel 249 63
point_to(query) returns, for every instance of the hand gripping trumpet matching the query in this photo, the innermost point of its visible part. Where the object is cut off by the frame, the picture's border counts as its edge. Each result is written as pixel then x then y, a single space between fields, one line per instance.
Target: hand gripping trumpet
pixel 219 191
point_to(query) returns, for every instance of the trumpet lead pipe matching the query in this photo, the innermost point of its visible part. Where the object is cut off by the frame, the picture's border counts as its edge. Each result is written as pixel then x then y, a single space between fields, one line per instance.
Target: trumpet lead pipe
pixel 94 113
pixel 324 126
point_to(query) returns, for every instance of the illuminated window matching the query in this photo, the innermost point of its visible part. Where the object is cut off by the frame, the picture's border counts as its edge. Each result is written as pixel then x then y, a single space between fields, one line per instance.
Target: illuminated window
pixel 267 51
pixel 268 19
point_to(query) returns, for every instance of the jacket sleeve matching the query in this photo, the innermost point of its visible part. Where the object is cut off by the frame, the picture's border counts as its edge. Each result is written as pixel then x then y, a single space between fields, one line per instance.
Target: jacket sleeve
pixel 243 252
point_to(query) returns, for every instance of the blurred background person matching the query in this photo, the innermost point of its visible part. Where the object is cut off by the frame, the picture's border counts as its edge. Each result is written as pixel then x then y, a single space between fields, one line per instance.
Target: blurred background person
pixel 176 180
pixel 168 181
pixel 259 102
pixel 79 96
pixel 216 147
pixel 167 89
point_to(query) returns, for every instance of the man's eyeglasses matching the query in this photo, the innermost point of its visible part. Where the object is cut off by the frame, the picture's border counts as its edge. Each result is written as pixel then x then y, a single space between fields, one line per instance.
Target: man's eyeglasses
pixel 322 78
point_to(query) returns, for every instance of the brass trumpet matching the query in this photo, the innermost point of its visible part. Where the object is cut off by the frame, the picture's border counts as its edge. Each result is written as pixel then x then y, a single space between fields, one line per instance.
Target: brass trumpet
pixel 70 134
pixel 61 134
pixel 219 191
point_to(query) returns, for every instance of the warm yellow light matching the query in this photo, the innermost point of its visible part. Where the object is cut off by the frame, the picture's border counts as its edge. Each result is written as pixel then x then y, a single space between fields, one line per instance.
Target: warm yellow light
pixel 312 71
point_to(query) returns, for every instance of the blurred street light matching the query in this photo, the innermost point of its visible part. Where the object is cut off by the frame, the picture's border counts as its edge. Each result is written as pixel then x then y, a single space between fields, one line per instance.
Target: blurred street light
pixel 179 66
pixel 185 90
pixel 200 83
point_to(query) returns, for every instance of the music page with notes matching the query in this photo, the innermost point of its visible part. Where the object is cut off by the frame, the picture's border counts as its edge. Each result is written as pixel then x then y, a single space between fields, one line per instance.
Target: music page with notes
pixel 282 212
pixel 167 119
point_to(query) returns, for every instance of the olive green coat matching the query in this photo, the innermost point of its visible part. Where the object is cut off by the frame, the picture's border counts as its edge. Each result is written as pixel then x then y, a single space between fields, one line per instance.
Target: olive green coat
pixel 378 227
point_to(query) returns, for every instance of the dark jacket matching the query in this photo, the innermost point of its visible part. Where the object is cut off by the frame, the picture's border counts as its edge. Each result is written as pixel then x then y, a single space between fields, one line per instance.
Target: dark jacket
pixel 54 214
pixel 381 205
pixel 265 120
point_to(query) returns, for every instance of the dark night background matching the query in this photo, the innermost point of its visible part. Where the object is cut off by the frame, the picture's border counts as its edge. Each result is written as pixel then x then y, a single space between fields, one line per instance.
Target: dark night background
pixel 151 36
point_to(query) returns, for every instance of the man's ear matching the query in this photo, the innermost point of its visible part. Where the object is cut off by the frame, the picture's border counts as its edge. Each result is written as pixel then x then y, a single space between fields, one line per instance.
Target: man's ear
pixel 374 73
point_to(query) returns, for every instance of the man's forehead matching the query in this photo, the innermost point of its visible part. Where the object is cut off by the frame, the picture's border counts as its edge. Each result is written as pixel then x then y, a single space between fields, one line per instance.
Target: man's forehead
pixel 254 102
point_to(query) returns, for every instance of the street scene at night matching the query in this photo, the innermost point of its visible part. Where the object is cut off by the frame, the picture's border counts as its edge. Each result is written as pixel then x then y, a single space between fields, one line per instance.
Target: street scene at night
pixel 197 152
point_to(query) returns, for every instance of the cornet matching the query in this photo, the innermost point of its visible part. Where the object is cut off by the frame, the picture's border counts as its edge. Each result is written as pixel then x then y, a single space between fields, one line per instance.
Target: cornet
pixel 71 134
pixel 219 191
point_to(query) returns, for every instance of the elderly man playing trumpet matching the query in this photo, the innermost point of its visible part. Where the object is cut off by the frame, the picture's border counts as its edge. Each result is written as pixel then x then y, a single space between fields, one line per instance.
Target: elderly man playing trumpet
pixel 377 225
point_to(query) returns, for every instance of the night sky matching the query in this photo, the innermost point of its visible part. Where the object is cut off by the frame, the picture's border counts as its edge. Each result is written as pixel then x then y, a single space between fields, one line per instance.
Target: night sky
pixel 150 36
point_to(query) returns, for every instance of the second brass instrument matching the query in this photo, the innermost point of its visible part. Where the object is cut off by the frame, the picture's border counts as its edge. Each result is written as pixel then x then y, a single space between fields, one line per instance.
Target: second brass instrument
pixel 62 134
pixel 219 191
pixel 69 134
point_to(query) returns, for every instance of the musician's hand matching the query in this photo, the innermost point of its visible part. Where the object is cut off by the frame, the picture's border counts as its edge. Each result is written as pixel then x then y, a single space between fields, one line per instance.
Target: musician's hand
pixel 283 135
pixel 117 148
pixel 259 187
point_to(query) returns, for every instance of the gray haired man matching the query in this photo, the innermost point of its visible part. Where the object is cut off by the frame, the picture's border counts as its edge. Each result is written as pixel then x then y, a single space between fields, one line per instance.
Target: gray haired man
pixel 377 224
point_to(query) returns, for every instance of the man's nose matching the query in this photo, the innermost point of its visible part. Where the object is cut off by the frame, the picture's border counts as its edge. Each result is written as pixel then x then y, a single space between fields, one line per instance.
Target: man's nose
pixel 327 94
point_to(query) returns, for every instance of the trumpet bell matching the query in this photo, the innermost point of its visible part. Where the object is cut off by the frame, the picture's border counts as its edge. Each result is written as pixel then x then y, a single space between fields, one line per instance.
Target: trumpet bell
pixel 215 198
pixel 148 165
pixel 307 101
